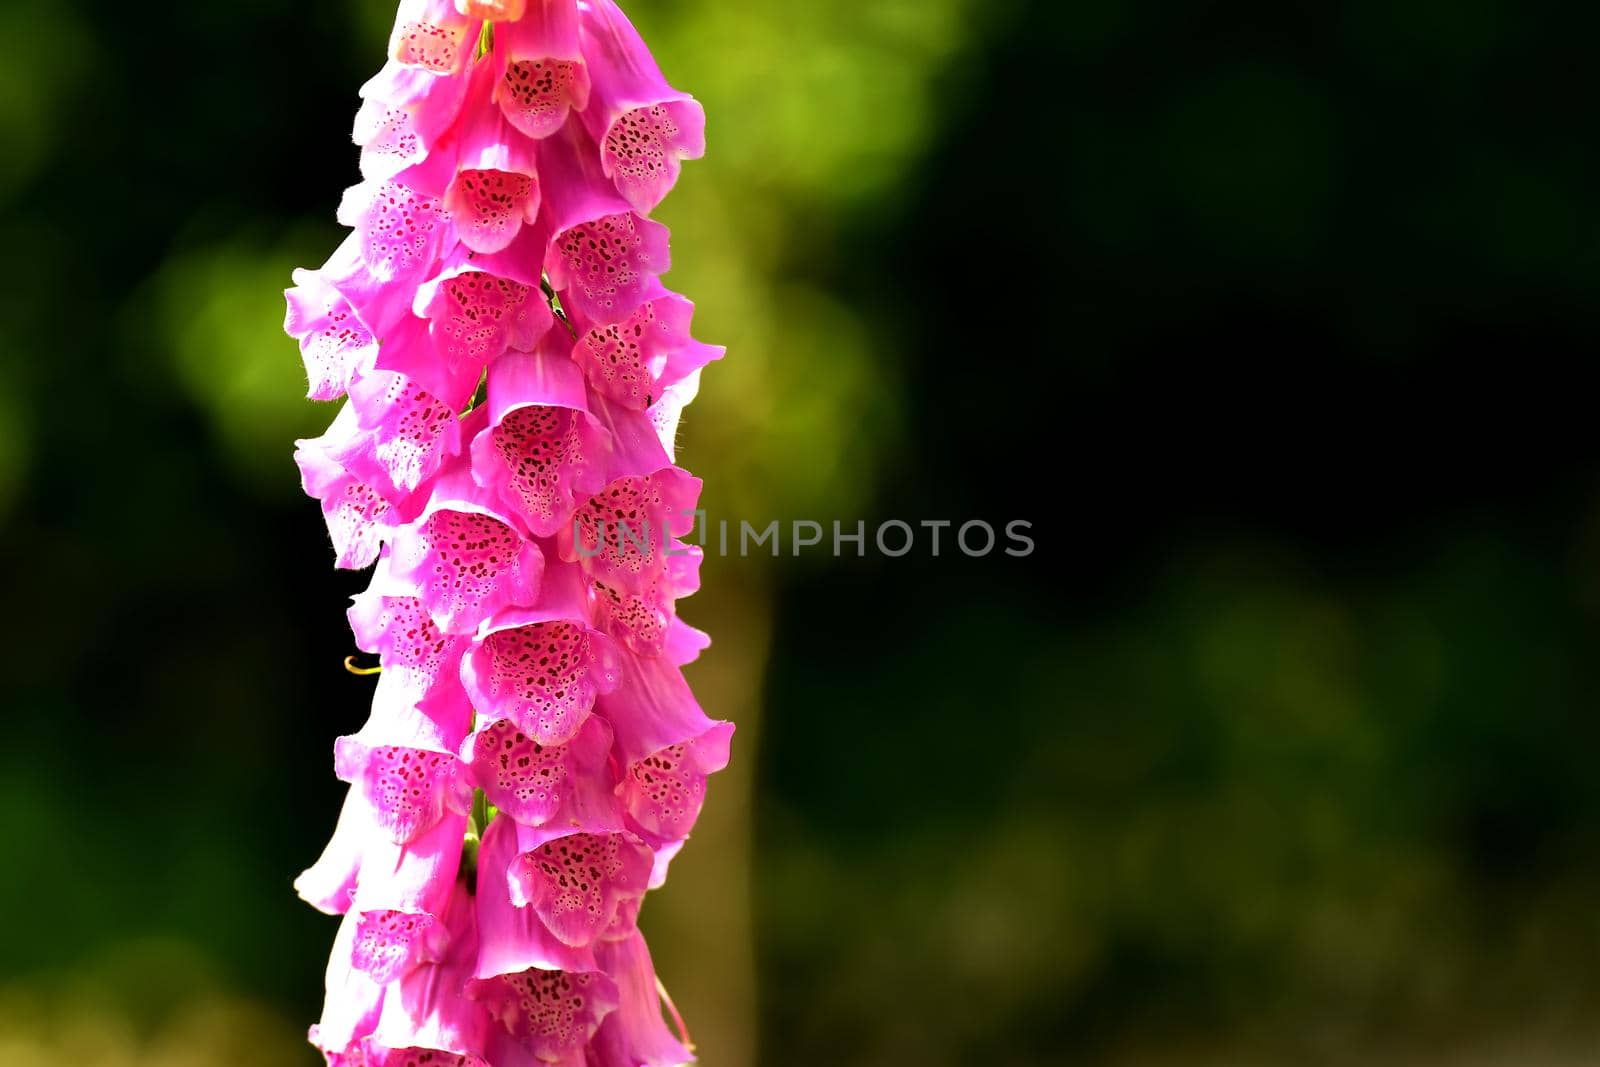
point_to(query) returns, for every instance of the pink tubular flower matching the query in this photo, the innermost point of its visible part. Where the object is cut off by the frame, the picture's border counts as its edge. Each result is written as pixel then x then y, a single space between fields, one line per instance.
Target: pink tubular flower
pixel 464 557
pixel 334 341
pixel 404 113
pixel 495 188
pixel 512 372
pixel 542 666
pixel 644 126
pixel 542 450
pixel 540 76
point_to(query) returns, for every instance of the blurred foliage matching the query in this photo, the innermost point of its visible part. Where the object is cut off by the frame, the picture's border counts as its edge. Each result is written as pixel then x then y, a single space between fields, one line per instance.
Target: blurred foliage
pixel 1258 801
pixel 142 1004
pixel 1276 319
pixel 33 82
pixel 222 316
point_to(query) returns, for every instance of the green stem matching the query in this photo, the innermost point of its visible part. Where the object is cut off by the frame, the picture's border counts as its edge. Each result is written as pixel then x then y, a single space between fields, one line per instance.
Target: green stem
pixel 480 814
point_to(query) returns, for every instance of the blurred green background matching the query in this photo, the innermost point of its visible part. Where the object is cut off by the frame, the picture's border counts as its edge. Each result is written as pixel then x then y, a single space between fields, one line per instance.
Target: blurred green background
pixel 1277 319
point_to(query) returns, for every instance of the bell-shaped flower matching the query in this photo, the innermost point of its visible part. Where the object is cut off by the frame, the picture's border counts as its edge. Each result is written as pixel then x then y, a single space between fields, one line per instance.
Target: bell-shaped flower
pixel 359 509
pixel 577 883
pixel 494 189
pixel 405 114
pixel 408 786
pixel 474 314
pixel 634 1035
pixel 574 876
pixel 352 1001
pixel 535 783
pixel 538 65
pixel 651 712
pixel 397 845
pixel 426 1011
pixel 542 667
pixel 515 938
pixel 604 259
pixel 421 673
pixel 406 432
pixel 634 359
pixel 662 792
pixel 542 452
pixel 644 126
pixel 433 36
pixel 334 341
pixel 399 235
pixel 364 868
pixel 546 1014
pixel 464 556
pixel 625 534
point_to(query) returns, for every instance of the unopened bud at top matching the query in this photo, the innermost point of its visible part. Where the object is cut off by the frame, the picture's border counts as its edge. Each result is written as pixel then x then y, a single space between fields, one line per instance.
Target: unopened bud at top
pixel 492 10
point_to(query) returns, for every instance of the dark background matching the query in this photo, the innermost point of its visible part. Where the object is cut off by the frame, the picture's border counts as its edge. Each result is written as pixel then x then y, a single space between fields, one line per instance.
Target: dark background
pixel 1276 320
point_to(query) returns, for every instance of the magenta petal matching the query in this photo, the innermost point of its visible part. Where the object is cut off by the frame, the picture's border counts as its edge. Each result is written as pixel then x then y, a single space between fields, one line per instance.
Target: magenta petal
pixel 644 126
pixel 544 377
pixel 514 938
pixel 666 412
pixel 634 1035
pixel 364 869
pixel 539 72
pixel 591 805
pixel 433 36
pixel 333 339
pixel 464 558
pixel 604 265
pixel 378 1056
pixel 651 709
pixel 329 884
pixel 419 694
pixel 577 882
pixel 628 359
pixel 684 643
pixel 642 615
pixel 409 350
pixel 686 361
pixel 603 259
pixel 433 724
pixel 663 792
pixel 636 447
pixel 409 433
pixel 353 1002
pixel 400 235
pixel 405 113
pixel 543 675
pixel 490 205
pixel 535 783
pixel 665 853
pixel 494 190
pixel 473 316
pixel 428 1008
pixel 389 943
pixel 623 534
pixel 542 451
pixel 359 515
pixel 550 1014
pixel 642 147
pixel 416 876
pixel 410 789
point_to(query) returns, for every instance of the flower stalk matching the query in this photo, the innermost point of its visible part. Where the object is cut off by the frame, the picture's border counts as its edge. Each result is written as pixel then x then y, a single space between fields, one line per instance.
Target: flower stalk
pixel 511 370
